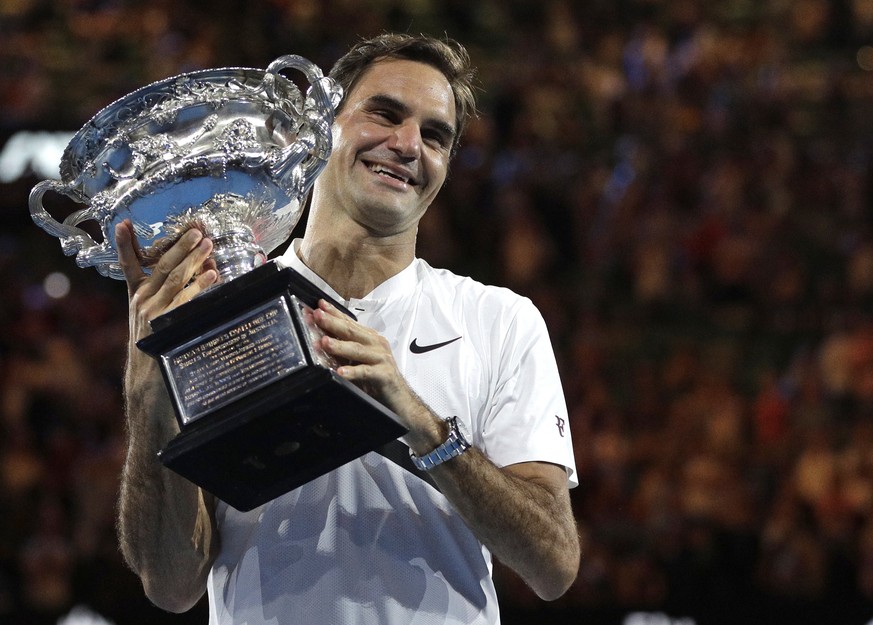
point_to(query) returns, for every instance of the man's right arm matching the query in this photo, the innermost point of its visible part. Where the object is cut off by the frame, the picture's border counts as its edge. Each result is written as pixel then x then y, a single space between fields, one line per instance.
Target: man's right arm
pixel 166 524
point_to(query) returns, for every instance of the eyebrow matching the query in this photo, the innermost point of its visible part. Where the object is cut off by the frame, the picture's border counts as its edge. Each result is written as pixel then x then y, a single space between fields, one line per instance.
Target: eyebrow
pixel 394 104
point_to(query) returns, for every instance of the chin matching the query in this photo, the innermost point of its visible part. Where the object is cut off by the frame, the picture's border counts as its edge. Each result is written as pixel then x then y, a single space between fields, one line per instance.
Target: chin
pixel 386 220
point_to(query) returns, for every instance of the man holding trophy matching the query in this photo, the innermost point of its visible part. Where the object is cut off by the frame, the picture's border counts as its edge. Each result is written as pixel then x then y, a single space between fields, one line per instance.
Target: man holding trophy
pixel 467 369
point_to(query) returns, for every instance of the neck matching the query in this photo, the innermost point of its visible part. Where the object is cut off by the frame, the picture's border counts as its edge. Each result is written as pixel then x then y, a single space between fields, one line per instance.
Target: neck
pixel 354 263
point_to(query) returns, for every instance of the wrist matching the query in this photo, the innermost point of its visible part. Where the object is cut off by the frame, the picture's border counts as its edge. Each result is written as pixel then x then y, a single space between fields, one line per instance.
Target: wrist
pixel 424 440
pixel 453 444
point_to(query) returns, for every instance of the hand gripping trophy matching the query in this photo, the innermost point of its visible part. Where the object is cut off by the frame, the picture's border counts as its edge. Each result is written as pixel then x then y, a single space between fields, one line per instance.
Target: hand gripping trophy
pixel 234 152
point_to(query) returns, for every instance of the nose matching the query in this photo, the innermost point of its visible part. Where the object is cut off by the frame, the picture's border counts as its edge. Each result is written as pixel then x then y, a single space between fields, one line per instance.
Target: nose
pixel 405 140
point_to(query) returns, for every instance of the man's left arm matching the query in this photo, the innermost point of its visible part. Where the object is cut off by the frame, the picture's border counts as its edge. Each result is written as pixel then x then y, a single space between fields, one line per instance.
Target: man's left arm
pixel 520 512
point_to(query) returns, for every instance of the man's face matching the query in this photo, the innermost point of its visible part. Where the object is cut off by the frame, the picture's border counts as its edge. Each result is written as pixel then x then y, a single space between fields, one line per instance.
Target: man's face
pixel 391 146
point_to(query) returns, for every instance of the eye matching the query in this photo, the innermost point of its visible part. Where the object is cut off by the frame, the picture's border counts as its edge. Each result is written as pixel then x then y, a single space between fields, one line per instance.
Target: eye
pixel 435 138
pixel 385 114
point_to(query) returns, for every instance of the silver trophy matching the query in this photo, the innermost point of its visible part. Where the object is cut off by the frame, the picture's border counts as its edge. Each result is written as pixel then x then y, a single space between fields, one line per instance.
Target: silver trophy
pixel 233 152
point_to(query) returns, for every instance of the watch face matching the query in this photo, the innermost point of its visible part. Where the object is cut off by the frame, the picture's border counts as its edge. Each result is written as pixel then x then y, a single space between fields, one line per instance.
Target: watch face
pixel 464 431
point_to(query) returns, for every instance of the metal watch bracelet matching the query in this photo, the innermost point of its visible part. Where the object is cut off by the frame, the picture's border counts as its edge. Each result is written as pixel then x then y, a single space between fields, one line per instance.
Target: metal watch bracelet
pixel 454 446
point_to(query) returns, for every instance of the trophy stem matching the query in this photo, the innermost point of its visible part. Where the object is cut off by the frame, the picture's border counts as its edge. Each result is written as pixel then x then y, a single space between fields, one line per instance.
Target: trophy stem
pixel 236 253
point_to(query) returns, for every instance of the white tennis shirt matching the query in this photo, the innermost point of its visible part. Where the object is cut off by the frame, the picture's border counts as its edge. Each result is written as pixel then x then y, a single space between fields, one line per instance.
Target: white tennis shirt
pixel 371 543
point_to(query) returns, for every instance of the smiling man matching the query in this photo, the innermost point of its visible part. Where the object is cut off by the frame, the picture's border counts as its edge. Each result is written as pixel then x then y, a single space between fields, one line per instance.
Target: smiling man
pixel 468 368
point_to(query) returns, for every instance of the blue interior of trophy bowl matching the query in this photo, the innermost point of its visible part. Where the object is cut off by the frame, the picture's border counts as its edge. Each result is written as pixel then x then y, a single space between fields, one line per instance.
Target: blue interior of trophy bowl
pixel 150 212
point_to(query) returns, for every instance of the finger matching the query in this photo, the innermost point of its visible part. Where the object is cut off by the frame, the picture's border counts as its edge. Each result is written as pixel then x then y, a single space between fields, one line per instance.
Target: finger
pixel 176 268
pixel 176 254
pixel 333 321
pixel 128 255
pixel 200 283
pixel 329 310
pixel 354 373
pixel 210 264
pixel 206 279
pixel 351 351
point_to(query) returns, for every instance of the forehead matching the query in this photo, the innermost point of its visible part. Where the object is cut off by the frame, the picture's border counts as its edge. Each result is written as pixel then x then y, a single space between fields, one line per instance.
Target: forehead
pixel 412 82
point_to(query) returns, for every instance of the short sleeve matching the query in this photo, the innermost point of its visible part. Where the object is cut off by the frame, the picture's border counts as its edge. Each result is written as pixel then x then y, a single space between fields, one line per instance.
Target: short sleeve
pixel 526 420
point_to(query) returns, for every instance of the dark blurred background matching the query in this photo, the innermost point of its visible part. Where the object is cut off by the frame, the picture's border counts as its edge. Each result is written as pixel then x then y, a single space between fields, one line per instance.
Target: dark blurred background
pixel 683 188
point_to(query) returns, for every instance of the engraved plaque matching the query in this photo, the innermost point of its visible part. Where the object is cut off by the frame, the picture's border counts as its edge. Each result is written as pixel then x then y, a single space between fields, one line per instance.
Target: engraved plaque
pixel 234 360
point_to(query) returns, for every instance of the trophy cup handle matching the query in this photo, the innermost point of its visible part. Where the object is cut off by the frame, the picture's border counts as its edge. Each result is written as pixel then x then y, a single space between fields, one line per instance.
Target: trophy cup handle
pixel 304 160
pixel 325 89
pixel 74 240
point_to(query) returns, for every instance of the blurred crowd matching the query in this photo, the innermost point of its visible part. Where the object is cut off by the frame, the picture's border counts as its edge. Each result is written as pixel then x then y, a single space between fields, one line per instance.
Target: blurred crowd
pixel 684 189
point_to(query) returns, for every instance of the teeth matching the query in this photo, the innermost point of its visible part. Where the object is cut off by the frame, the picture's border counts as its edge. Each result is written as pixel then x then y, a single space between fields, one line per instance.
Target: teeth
pixel 378 169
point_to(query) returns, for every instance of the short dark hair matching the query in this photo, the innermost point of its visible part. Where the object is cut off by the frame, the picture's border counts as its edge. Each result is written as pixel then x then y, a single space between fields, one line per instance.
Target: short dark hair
pixel 446 55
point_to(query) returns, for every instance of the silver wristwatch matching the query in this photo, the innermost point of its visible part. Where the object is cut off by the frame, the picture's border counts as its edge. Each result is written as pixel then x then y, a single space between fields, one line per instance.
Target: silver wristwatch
pixel 455 445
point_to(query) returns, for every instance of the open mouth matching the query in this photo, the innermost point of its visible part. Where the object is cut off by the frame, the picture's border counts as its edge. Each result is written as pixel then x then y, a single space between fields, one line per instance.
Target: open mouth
pixel 382 170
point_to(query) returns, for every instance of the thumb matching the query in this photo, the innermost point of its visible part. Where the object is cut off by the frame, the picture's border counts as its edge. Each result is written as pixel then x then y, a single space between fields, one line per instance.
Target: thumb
pixel 129 255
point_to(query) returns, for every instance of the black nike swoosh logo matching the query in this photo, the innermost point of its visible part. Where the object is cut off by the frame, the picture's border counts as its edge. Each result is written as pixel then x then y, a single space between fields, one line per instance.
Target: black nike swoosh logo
pixel 415 348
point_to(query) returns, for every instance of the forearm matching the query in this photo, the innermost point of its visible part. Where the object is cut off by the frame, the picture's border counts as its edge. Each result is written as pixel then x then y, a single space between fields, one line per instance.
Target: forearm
pixel 524 524
pixel 522 513
pixel 164 522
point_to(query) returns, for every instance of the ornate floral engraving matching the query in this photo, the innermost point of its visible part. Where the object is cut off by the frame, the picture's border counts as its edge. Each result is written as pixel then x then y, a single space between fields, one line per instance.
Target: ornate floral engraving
pixel 238 136
pixel 186 137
